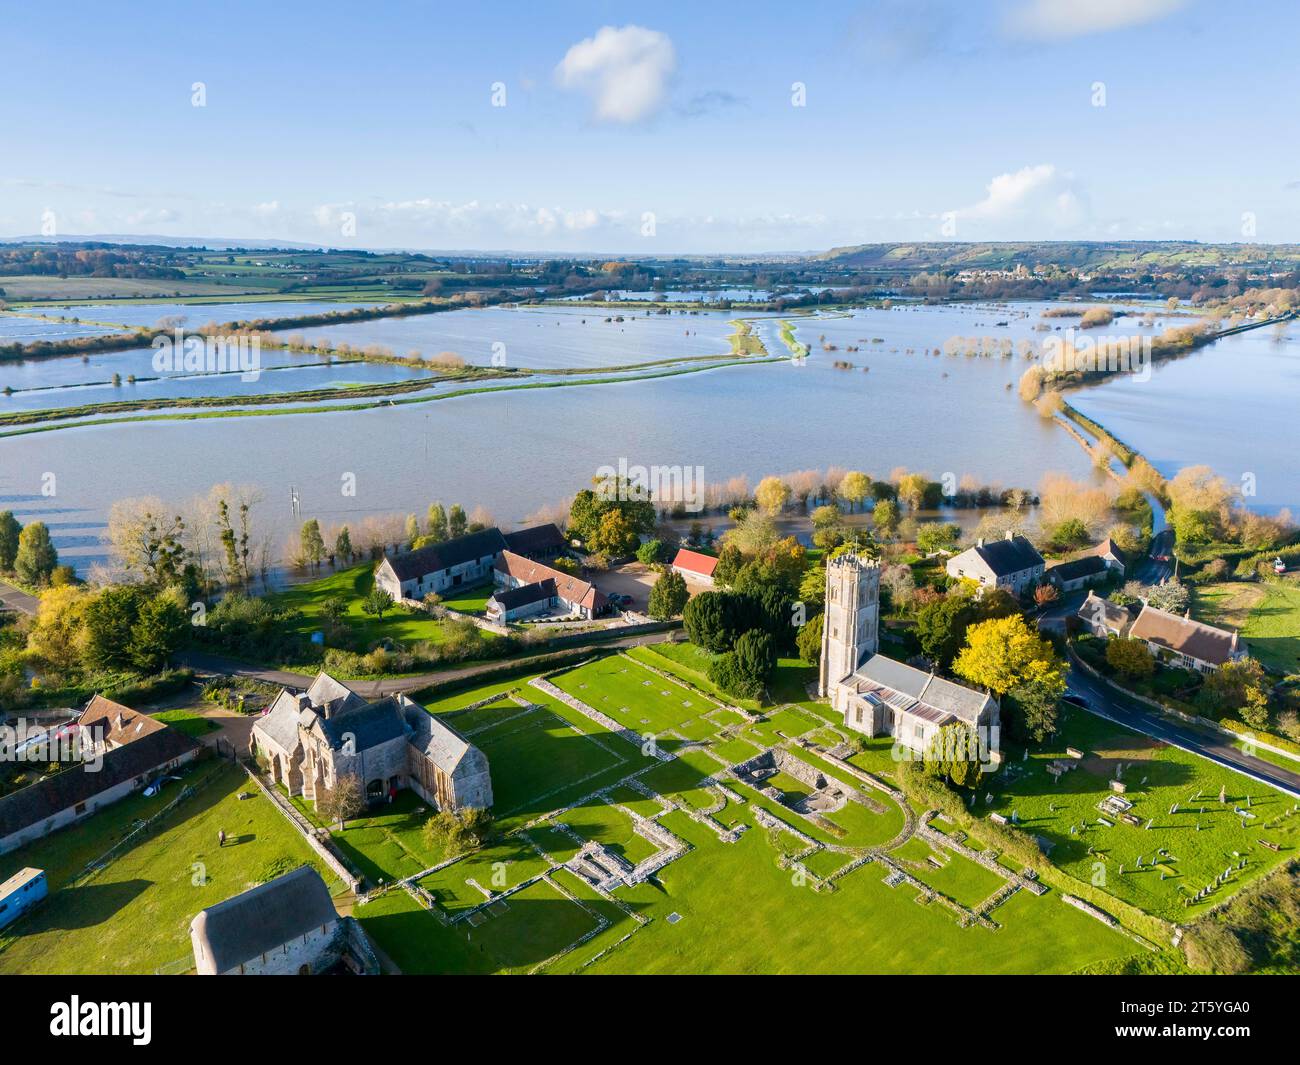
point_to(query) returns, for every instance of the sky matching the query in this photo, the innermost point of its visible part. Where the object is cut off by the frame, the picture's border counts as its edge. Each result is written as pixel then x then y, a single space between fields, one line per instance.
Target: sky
pixel 569 127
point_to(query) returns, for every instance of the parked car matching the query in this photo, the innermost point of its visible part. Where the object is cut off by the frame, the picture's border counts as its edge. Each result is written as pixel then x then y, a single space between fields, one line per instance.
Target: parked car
pixel 1075 699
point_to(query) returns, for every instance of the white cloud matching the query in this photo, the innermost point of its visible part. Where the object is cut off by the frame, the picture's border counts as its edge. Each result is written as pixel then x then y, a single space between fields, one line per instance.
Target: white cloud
pixel 1074 18
pixel 1028 202
pixel 267 210
pixel 624 70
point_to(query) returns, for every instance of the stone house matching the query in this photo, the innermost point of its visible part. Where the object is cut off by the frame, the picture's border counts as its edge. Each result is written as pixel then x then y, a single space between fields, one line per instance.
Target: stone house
pixel 312 739
pixel 695 566
pixel 526 587
pixel 1080 573
pixel 287 926
pixel 1115 557
pixel 440 568
pixel 1012 564
pixel 1103 618
pixel 465 561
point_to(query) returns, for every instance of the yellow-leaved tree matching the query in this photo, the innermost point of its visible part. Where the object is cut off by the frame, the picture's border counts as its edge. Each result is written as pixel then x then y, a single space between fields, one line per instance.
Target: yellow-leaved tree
pixel 1006 653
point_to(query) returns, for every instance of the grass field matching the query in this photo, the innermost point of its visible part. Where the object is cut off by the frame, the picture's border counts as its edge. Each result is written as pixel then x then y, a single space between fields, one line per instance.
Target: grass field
pixel 1156 776
pixel 745 913
pixel 351 585
pixel 134 916
pixel 1267 613
pixel 637 698
pixel 187 721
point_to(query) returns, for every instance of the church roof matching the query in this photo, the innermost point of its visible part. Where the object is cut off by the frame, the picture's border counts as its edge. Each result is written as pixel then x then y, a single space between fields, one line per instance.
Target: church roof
pixel 435 739
pixel 260 920
pixel 917 692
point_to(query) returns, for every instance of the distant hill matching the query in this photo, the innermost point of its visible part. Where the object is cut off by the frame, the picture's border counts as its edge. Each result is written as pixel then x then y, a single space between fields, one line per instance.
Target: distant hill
pixel 1093 255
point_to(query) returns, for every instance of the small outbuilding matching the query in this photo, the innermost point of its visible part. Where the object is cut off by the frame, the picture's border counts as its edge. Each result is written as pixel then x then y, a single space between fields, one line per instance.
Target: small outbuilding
pixel 286 926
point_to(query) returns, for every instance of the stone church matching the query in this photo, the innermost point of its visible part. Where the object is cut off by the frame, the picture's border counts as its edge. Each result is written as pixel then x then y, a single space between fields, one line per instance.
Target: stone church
pixel 310 740
pixel 878 695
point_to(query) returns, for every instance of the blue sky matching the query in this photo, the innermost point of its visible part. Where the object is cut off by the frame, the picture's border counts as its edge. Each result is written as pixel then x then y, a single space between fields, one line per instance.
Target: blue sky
pixel 653 129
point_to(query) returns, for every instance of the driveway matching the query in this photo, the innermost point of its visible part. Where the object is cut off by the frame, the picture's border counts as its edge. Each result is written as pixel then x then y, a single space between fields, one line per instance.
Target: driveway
pixel 12 598
pixel 632 579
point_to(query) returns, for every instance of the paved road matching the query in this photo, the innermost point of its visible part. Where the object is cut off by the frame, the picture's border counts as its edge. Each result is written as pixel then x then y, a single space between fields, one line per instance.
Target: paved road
pixel 1105 702
pixel 372 689
pixel 13 599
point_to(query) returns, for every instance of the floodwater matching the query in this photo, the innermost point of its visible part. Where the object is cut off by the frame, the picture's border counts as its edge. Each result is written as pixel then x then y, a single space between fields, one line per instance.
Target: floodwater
pixel 515 451
pixel 1233 406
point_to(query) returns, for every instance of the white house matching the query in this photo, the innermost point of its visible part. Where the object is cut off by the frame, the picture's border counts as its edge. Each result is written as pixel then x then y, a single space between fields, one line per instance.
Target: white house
pixel 1187 644
pixel 1103 618
pixel 1012 564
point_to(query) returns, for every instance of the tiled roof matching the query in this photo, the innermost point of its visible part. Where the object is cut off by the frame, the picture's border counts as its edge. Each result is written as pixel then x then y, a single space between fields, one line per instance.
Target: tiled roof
pixel 437 740
pixel 695 562
pixel 512 598
pixel 537 540
pixel 1005 557
pixel 1094 609
pixel 115 723
pixel 1088 566
pixel 1185 636
pixel 568 587
pixel 42 800
pixel 920 693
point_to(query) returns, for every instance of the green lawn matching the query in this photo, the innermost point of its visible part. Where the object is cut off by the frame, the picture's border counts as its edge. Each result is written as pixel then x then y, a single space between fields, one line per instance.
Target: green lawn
pixel 638 699
pixel 386 844
pixel 761 922
pixel 469 600
pixel 352 584
pixel 1267 613
pixel 1156 776
pixel 740 911
pixel 134 916
pixel 187 721
pixel 533 925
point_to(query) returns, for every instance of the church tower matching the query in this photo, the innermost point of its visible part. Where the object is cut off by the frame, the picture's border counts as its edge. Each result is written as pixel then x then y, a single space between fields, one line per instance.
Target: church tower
pixel 850 628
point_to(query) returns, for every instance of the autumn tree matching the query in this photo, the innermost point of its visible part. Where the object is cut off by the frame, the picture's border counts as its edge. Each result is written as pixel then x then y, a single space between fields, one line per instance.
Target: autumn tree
pixel 1130 658
pixel 1004 652
pixel 854 488
pixel 772 494
pixel 36 557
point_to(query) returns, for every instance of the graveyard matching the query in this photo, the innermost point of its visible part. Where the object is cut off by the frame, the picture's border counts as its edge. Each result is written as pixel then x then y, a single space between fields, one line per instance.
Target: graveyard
pixel 1158 827
pixel 643 825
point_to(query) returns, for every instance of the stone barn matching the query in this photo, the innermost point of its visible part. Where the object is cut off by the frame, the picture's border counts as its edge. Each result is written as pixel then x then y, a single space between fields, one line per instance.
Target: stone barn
pixel 287 926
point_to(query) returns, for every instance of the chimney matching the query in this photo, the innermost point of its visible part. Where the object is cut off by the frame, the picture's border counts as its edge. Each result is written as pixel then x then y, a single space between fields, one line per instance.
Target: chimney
pixel 979 542
pixel 117 723
pixel 1011 534
pixel 304 701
